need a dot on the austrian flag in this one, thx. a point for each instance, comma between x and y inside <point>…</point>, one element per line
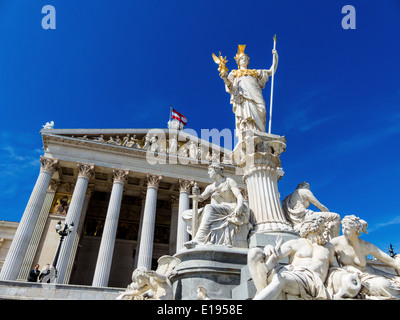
<point>176,115</point>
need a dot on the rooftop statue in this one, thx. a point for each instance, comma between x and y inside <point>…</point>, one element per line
<point>49,125</point>
<point>245,87</point>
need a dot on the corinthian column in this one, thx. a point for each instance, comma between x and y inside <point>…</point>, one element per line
<point>148,223</point>
<point>104,259</point>
<point>23,235</point>
<point>85,171</point>
<point>184,202</point>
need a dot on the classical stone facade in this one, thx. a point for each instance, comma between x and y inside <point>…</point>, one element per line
<point>123,189</point>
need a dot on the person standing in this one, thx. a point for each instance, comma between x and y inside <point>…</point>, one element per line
<point>45,272</point>
<point>34,274</point>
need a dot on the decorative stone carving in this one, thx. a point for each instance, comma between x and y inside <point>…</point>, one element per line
<point>53,186</point>
<point>351,253</point>
<point>85,170</point>
<point>200,153</point>
<point>173,145</point>
<point>49,165</point>
<point>49,125</point>
<point>153,180</point>
<point>185,185</point>
<point>310,258</point>
<point>202,293</point>
<point>99,139</point>
<point>131,142</point>
<point>308,277</point>
<point>223,222</point>
<point>152,285</point>
<point>120,175</point>
<point>193,150</point>
<point>66,187</point>
<point>296,209</point>
<point>146,143</point>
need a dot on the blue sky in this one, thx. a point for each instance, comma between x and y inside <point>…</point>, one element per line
<point>121,64</point>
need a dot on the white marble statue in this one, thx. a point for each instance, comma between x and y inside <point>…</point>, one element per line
<point>202,293</point>
<point>193,150</point>
<point>132,143</point>
<point>310,257</point>
<point>152,285</point>
<point>225,221</point>
<point>245,87</point>
<point>146,142</point>
<point>99,139</point>
<point>49,125</point>
<point>154,144</point>
<point>351,253</point>
<point>173,145</point>
<point>296,209</point>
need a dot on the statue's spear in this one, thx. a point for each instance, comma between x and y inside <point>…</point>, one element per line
<point>272,87</point>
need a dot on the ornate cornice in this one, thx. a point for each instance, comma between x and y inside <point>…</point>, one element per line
<point>185,185</point>
<point>120,175</point>
<point>85,170</point>
<point>96,145</point>
<point>153,180</point>
<point>49,165</point>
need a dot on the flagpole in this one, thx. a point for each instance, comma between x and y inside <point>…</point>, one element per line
<point>272,87</point>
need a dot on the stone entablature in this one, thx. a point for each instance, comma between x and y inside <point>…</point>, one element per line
<point>169,142</point>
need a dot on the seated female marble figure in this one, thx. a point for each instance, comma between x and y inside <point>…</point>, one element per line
<point>351,253</point>
<point>225,221</point>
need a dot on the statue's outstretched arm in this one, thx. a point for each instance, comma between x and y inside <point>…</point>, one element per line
<point>315,202</point>
<point>383,257</point>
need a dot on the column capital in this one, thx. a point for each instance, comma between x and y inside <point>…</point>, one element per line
<point>85,170</point>
<point>173,201</point>
<point>49,165</point>
<point>184,185</point>
<point>153,180</point>
<point>120,175</point>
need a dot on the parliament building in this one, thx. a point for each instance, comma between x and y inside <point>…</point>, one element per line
<point>123,190</point>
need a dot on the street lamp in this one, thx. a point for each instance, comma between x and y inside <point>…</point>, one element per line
<point>63,232</point>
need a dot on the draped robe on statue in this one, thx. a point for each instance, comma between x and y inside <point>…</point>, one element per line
<point>247,100</point>
<point>216,221</point>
